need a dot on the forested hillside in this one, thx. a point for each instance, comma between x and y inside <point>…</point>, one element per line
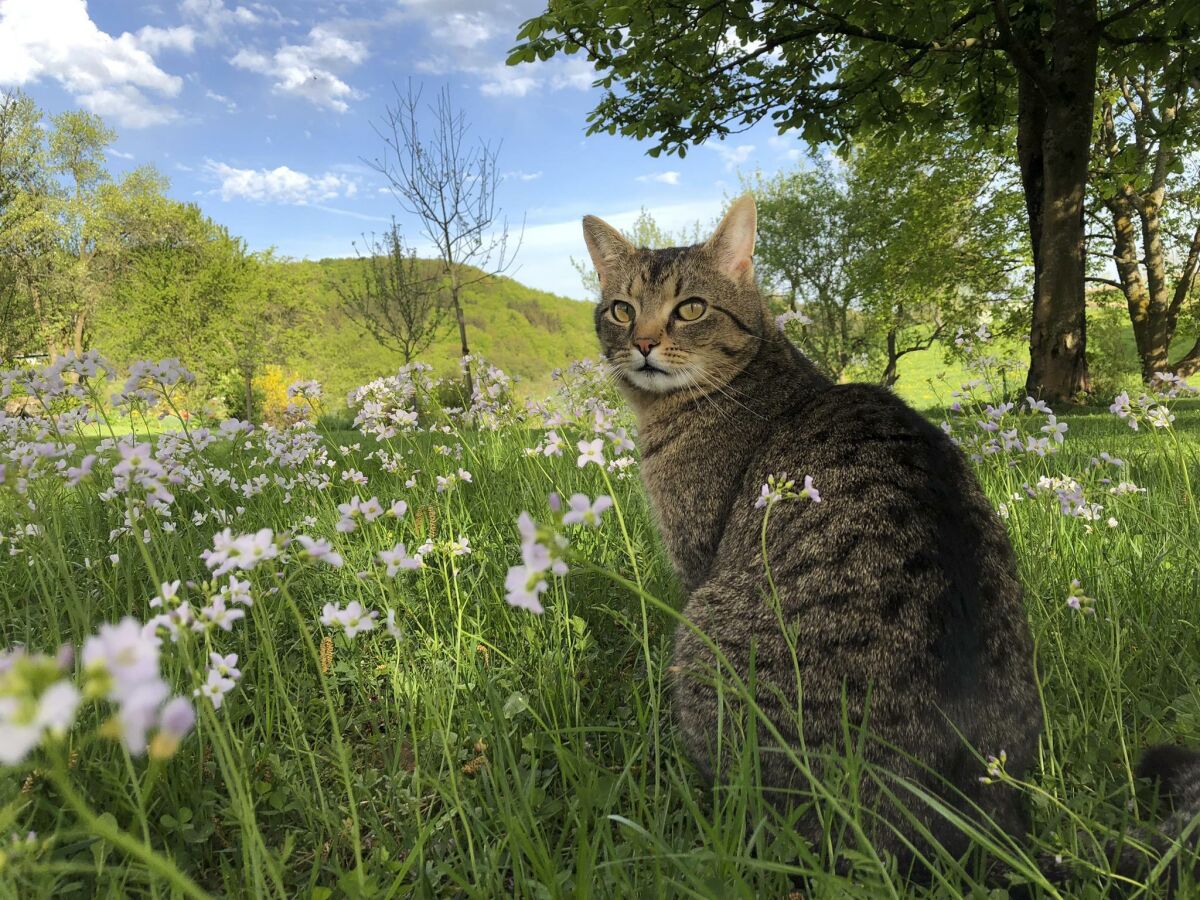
<point>526,332</point>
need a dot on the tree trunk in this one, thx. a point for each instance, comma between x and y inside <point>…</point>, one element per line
<point>77,332</point>
<point>1158,338</point>
<point>1031,126</point>
<point>1133,286</point>
<point>248,383</point>
<point>462,330</point>
<point>43,326</point>
<point>1060,107</point>
<point>890,374</point>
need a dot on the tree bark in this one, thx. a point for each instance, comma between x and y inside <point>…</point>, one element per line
<point>44,330</point>
<point>1054,135</point>
<point>1158,338</point>
<point>78,330</point>
<point>1153,305</point>
<point>248,383</point>
<point>890,374</point>
<point>462,330</point>
<point>1129,273</point>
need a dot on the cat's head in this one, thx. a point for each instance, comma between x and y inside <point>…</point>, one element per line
<point>683,318</point>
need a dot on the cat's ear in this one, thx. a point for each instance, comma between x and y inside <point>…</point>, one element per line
<point>606,245</point>
<point>732,244</point>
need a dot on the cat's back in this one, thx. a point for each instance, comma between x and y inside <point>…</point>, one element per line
<point>899,581</point>
<point>903,539</point>
<point>877,458</point>
<point>860,426</point>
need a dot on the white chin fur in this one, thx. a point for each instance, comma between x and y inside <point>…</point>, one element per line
<point>658,382</point>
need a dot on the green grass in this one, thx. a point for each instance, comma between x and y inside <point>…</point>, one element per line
<point>491,752</point>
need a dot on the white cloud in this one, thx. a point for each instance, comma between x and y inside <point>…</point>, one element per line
<point>57,39</point>
<point>153,39</point>
<point>349,212</point>
<point>505,81</point>
<point>523,176</point>
<point>464,29</point>
<point>502,80</point>
<point>732,156</point>
<point>573,72</point>
<point>278,185</point>
<point>788,148</point>
<point>119,154</point>
<point>660,178</point>
<point>222,99</point>
<point>456,25</point>
<point>469,23</point>
<point>215,16</point>
<point>309,70</point>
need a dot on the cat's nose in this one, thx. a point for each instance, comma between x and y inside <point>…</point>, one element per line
<point>645,345</point>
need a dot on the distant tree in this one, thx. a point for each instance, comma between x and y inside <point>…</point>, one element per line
<point>450,185</point>
<point>1149,194</point>
<point>685,71</point>
<point>66,228</point>
<point>272,319</point>
<point>26,227</point>
<point>803,254</point>
<point>175,294</point>
<point>939,243</point>
<point>78,142</point>
<point>891,248</point>
<point>199,294</point>
<point>396,298</point>
<point>644,232</point>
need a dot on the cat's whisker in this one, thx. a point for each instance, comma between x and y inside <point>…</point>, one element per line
<point>727,391</point>
<point>704,394</point>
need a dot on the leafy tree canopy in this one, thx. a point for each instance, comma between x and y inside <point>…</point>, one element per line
<point>683,72</point>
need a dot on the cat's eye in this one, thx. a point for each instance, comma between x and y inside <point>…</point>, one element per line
<point>690,310</point>
<point>622,311</point>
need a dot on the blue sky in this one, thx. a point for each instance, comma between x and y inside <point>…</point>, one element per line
<point>262,113</point>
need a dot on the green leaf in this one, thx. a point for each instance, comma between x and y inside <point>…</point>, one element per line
<point>515,705</point>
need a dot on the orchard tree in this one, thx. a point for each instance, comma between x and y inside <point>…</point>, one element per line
<point>395,298</point>
<point>684,71</point>
<point>804,253</point>
<point>449,183</point>
<point>937,232</point>
<point>886,250</point>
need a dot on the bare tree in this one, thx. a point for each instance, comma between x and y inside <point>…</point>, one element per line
<point>395,297</point>
<point>449,183</point>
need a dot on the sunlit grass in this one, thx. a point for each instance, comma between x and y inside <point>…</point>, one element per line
<point>491,752</point>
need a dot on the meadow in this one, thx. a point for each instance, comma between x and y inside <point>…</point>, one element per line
<point>422,655</point>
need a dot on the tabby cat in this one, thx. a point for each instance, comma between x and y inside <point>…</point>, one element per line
<point>898,588</point>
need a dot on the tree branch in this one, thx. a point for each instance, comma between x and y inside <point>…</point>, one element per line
<point>1187,277</point>
<point>1020,54</point>
<point>1127,11</point>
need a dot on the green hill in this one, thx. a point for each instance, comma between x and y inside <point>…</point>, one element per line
<point>526,332</point>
